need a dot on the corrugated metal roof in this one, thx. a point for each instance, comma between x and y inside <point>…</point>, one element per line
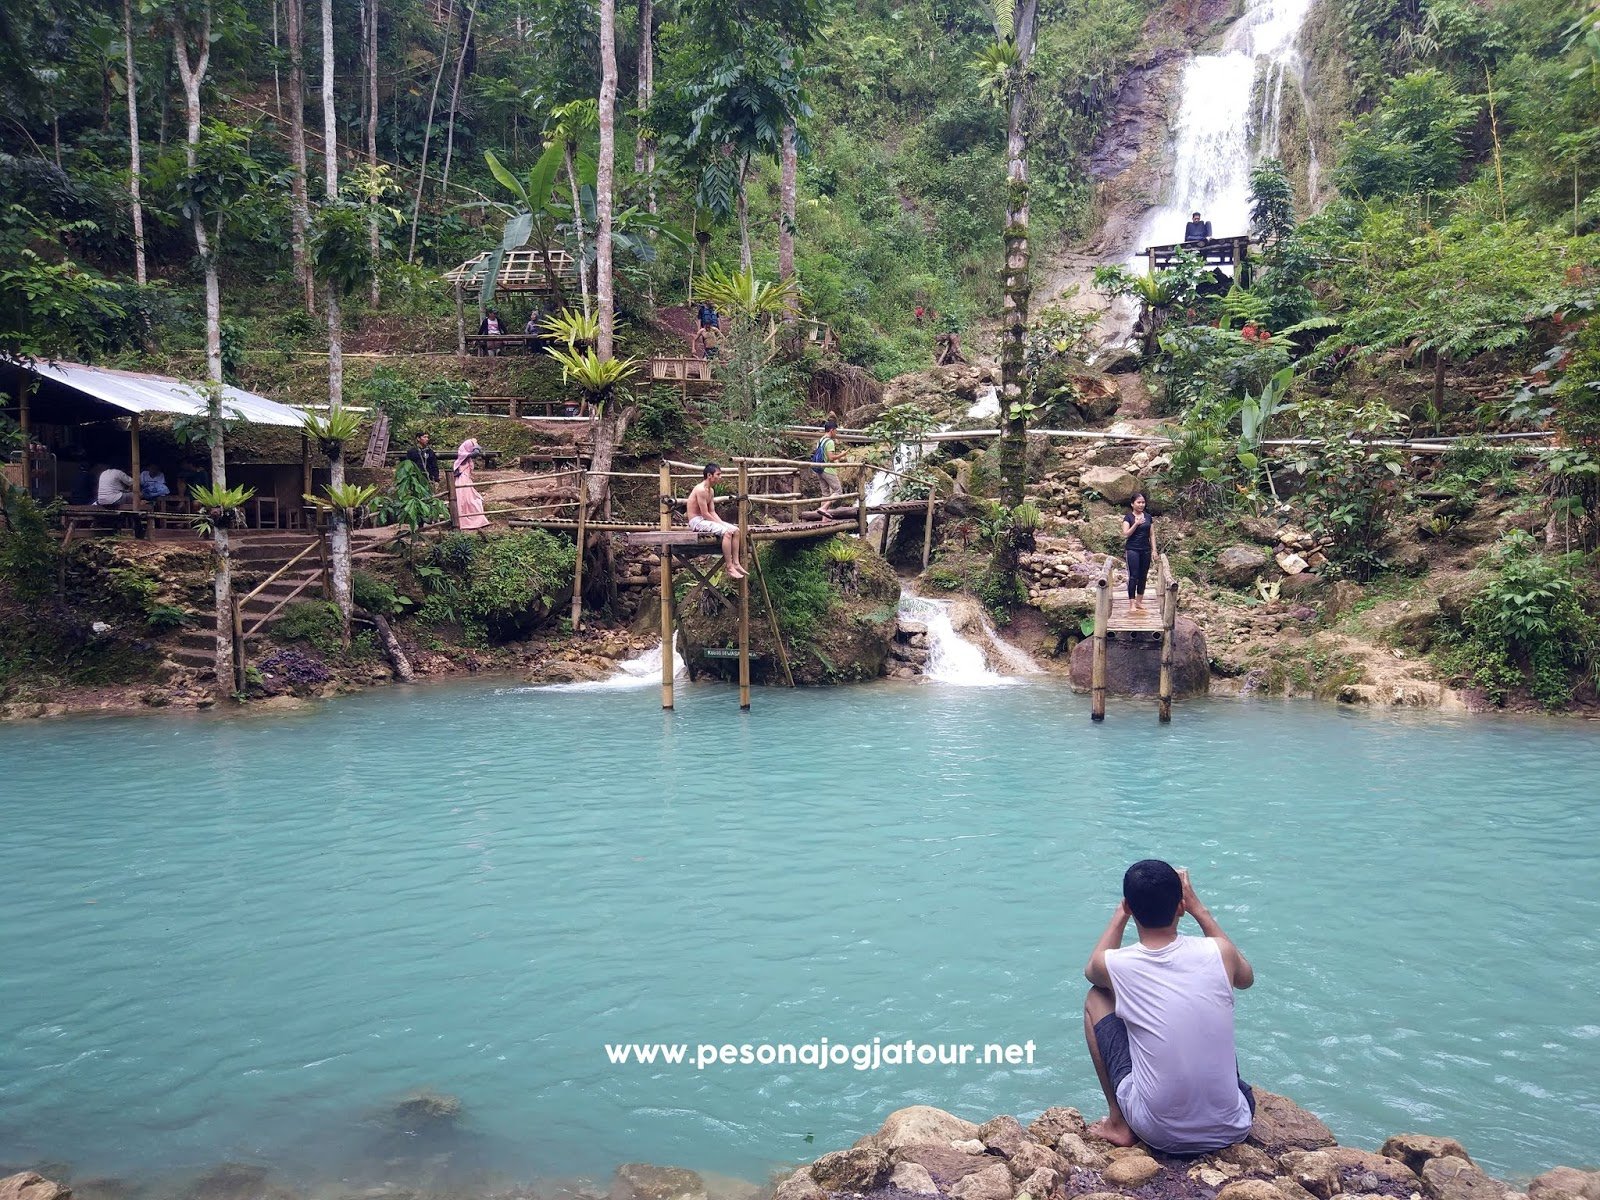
<point>137,392</point>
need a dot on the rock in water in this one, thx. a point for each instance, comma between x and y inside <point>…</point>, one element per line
<point>1281,1125</point>
<point>920,1124</point>
<point>1133,668</point>
<point>30,1185</point>
<point>1570,1180</point>
<point>1415,1149</point>
<point>644,1181</point>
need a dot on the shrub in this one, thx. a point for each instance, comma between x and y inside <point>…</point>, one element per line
<point>29,553</point>
<point>497,588</point>
<point>1528,626</point>
<point>801,583</point>
<point>376,595</point>
<point>315,622</point>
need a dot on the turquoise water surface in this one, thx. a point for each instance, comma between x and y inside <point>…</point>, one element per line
<point>245,938</point>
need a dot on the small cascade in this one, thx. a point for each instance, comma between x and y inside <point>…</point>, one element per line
<point>880,490</point>
<point>1221,131</point>
<point>988,404</point>
<point>952,659</point>
<point>640,671</point>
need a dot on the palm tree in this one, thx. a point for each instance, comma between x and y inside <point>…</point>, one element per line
<point>1004,71</point>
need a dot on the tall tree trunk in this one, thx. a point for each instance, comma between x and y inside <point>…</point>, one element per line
<point>427,136</point>
<point>193,75</point>
<point>577,224</point>
<point>742,204</point>
<point>372,134</point>
<point>604,171</point>
<point>1014,310</point>
<point>338,525</point>
<point>299,192</point>
<point>133,143</point>
<point>455,98</point>
<point>787,204</point>
<point>644,148</point>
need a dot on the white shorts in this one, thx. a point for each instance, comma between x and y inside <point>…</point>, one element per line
<point>706,525</point>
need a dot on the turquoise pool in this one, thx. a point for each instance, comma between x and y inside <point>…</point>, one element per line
<point>245,938</point>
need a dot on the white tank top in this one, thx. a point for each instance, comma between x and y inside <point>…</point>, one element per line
<point>1182,1095</point>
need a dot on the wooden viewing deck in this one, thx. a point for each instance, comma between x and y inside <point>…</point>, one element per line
<point>1214,252</point>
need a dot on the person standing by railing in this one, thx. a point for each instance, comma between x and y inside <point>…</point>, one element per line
<point>469,501</point>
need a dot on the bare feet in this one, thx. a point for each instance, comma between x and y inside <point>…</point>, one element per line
<point>737,572</point>
<point>1114,1130</point>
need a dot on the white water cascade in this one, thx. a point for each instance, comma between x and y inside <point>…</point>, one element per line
<point>640,671</point>
<point>1222,129</point>
<point>955,660</point>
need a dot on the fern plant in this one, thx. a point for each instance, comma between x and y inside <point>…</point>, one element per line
<point>598,378</point>
<point>219,506</point>
<point>741,294</point>
<point>574,330</point>
<point>333,429</point>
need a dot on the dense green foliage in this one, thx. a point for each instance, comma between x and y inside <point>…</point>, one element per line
<point>498,588</point>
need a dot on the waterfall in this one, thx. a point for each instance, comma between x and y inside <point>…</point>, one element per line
<point>640,671</point>
<point>1220,132</point>
<point>953,659</point>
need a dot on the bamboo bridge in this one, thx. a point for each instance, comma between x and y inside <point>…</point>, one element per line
<point>1114,614</point>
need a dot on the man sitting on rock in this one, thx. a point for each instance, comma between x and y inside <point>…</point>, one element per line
<point>1159,1021</point>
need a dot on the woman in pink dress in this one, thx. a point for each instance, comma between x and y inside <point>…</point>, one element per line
<point>469,501</point>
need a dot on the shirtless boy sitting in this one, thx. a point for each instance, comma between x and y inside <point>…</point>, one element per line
<point>703,519</point>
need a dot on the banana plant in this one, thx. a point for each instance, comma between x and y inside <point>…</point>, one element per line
<point>534,220</point>
<point>1254,413</point>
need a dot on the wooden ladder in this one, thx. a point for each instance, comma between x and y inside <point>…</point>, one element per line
<point>378,443</point>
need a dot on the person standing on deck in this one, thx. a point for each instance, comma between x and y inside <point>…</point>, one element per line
<point>703,519</point>
<point>469,500</point>
<point>1139,547</point>
<point>1197,230</point>
<point>827,452</point>
<point>1159,1021</point>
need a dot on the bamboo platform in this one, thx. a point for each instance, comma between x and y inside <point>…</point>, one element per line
<point>1124,618</point>
<point>687,541</point>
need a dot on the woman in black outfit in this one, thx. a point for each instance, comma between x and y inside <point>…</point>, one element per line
<point>1139,547</point>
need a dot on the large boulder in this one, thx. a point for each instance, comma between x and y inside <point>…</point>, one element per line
<point>919,1124</point>
<point>1365,1172</point>
<point>1131,1171</point>
<point>992,1183</point>
<point>1238,566</point>
<point>858,1169</point>
<point>1133,665</point>
<point>1281,1125</point>
<point>1048,1127</point>
<point>799,1186</point>
<point>1415,1149</point>
<point>1567,1180</point>
<point>1452,1178</point>
<point>1113,483</point>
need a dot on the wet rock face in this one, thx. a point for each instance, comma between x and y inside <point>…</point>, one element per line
<point>642,1181</point>
<point>30,1185</point>
<point>858,1170</point>
<point>1133,667</point>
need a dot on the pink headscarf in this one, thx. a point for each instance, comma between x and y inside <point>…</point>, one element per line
<point>466,450</point>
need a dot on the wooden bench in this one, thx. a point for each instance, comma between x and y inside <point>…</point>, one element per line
<point>682,370</point>
<point>528,343</point>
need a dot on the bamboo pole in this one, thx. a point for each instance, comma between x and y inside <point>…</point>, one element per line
<point>744,591</point>
<point>1097,673</point>
<point>861,500</point>
<point>450,496</point>
<point>238,645</point>
<point>133,455</point>
<point>461,324</point>
<point>772,618</point>
<point>666,589</point>
<point>1169,617</point>
<point>577,570</point>
<point>927,530</point>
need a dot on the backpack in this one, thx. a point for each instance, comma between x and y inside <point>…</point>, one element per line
<point>820,454</point>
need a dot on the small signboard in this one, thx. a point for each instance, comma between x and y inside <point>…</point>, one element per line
<point>721,652</point>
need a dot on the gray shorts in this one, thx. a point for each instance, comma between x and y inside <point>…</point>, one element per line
<point>831,486</point>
